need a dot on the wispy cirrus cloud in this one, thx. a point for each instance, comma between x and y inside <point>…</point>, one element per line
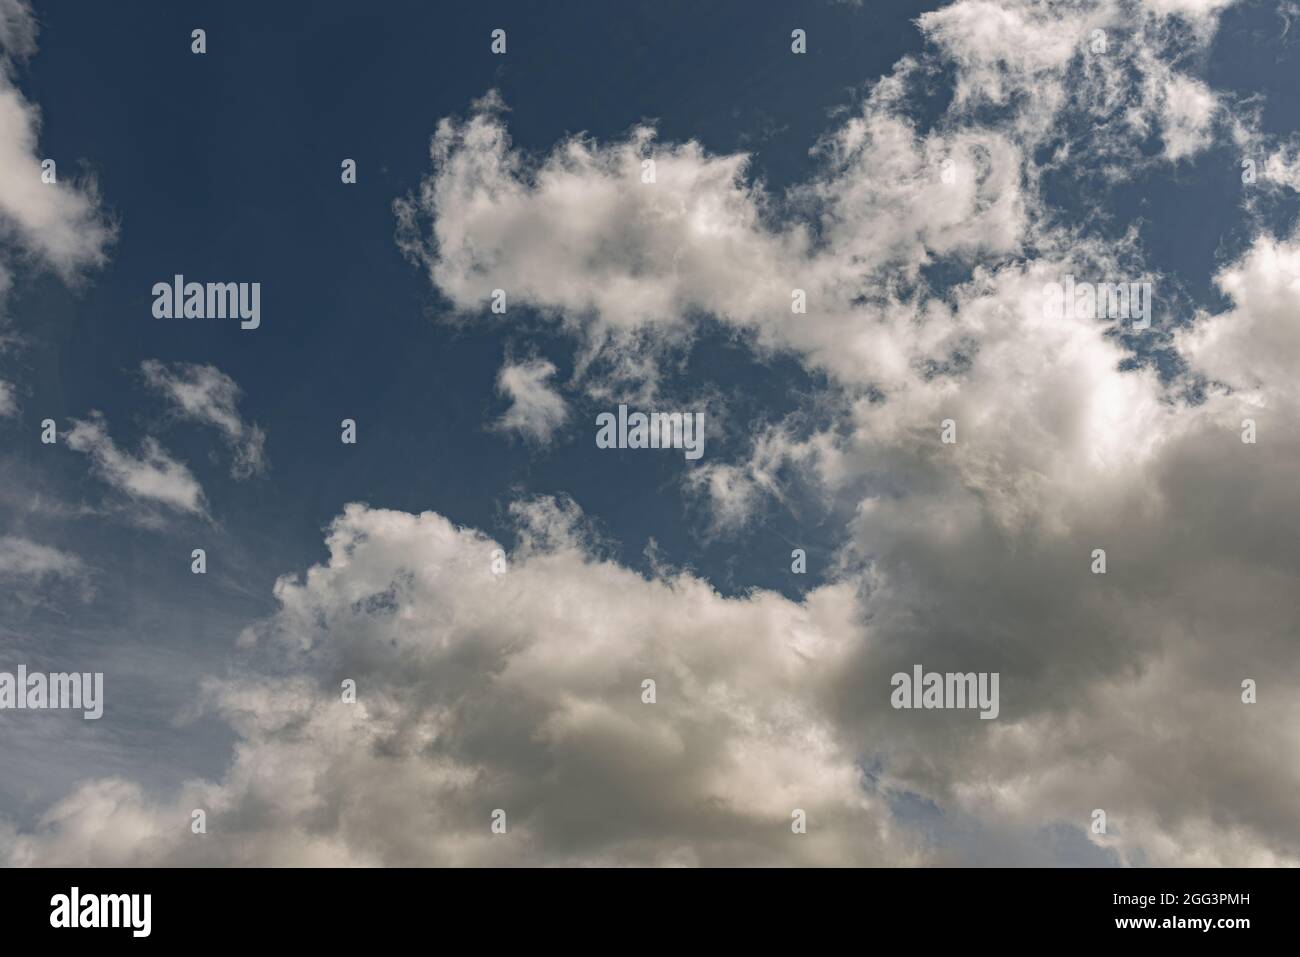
<point>23,558</point>
<point>152,476</point>
<point>8,400</point>
<point>205,394</point>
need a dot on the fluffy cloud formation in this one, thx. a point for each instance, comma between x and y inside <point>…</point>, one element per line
<point>53,225</point>
<point>1281,167</point>
<point>973,556</point>
<point>1202,13</point>
<point>580,235</point>
<point>1120,691</point>
<point>203,393</point>
<point>57,223</point>
<point>626,243</point>
<point>1108,62</point>
<point>1254,348</point>
<point>979,554</point>
<point>493,220</point>
<point>151,476</point>
<point>521,691</point>
<point>536,408</point>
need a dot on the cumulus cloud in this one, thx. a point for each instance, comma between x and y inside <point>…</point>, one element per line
<point>58,226</point>
<point>492,218</point>
<point>1281,166</point>
<point>1203,13</point>
<point>521,691</point>
<point>60,223</point>
<point>1185,107</point>
<point>579,235</point>
<point>977,555</point>
<point>1254,348</point>
<point>979,552</point>
<point>974,555</point>
<point>536,408</point>
<point>625,261</point>
<point>153,475</point>
<point>202,393</point>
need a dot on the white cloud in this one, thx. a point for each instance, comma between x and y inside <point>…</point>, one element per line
<point>58,223</point>
<point>1255,346</point>
<point>53,225</point>
<point>625,265</point>
<point>1281,166</point>
<point>17,29</point>
<point>1055,64</point>
<point>645,252</point>
<point>1196,11</point>
<point>978,553</point>
<point>521,691</point>
<point>736,493</point>
<point>1003,48</point>
<point>580,236</point>
<point>153,475</point>
<point>21,557</point>
<point>1186,109</point>
<point>536,408</point>
<point>8,400</point>
<point>202,393</point>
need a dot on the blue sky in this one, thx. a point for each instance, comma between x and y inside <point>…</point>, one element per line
<point>226,167</point>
